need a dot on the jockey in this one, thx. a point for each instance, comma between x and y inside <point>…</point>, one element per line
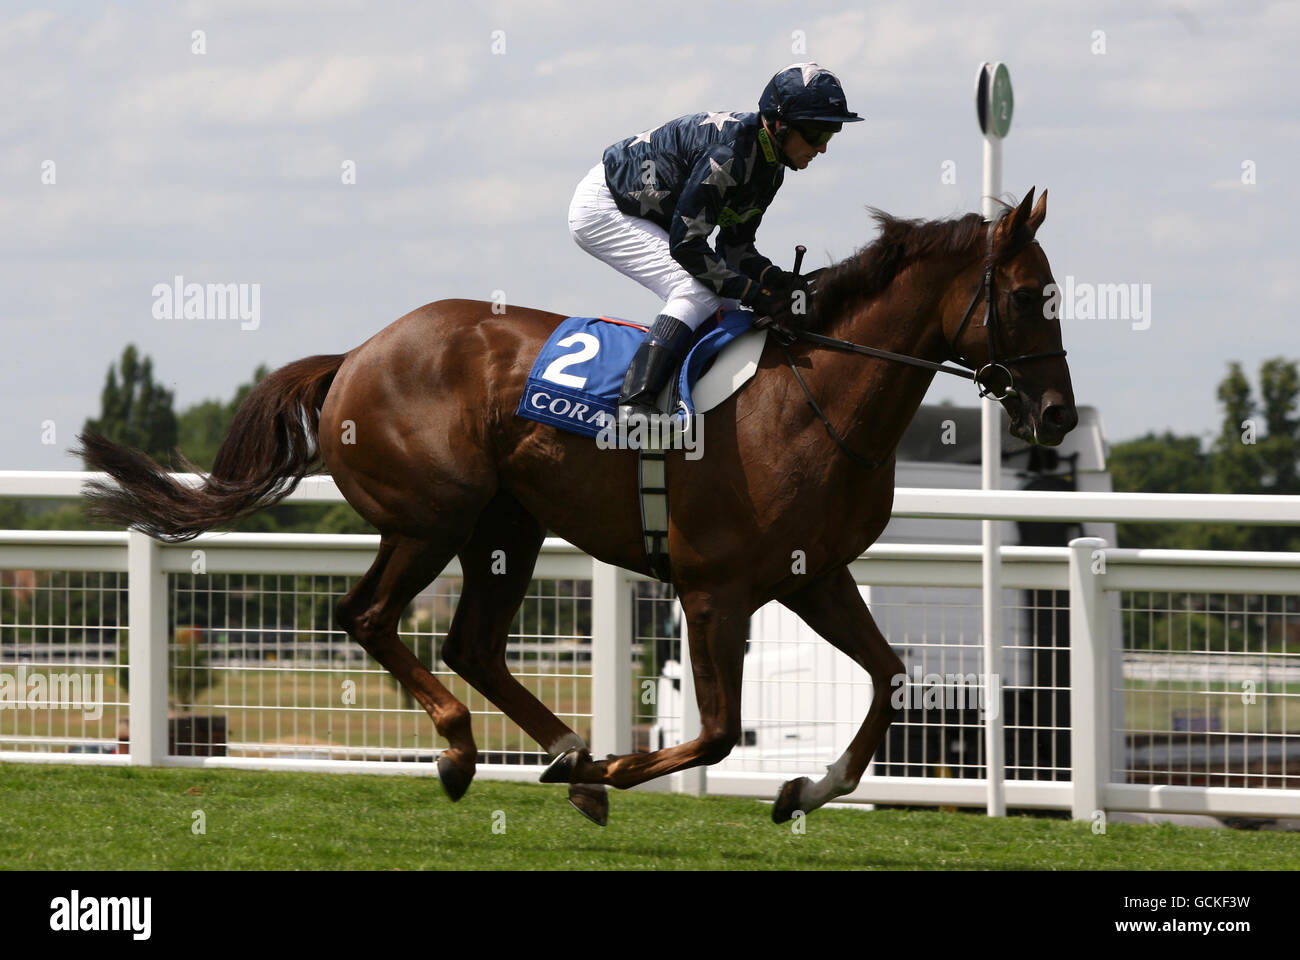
<point>648,208</point>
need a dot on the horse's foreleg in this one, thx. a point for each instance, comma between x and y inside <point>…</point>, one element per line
<point>370,613</point>
<point>834,608</point>
<point>497,565</point>
<point>716,630</point>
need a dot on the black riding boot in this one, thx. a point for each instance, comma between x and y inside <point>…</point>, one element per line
<point>654,363</point>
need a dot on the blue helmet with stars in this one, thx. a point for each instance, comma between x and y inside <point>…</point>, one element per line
<point>805,92</point>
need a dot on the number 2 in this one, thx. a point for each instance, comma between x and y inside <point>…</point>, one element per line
<point>590,346</point>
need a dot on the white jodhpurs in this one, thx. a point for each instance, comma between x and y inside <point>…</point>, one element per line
<point>638,248</point>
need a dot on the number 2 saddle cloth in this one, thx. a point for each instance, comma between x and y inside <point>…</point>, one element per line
<point>575,381</point>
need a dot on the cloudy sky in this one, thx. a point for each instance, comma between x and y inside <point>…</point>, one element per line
<point>468,127</point>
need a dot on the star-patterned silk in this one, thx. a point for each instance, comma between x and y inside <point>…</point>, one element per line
<point>691,176</point>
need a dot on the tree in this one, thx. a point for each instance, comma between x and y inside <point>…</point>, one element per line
<point>1164,463</point>
<point>1256,451</point>
<point>136,411</point>
<point>1279,452</point>
<point>1236,457</point>
<point>205,424</point>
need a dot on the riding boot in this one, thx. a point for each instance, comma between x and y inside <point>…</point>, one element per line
<point>653,364</point>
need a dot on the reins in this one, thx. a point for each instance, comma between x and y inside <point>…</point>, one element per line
<point>975,373</point>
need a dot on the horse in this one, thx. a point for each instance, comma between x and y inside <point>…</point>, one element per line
<point>417,426</point>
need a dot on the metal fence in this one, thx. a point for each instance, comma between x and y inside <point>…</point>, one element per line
<point>1133,680</point>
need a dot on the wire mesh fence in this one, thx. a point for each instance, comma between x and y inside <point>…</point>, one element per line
<point>63,686</point>
<point>804,701</point>
<point>1211,691</point>
<point>263,657</point>
<point>1204,690</point>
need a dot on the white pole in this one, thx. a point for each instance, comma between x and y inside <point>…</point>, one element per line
<point>147,643</point>
<point>1090,682</point>
<point>991,474</point>
<point>611,660</point>
<point>992,175</point>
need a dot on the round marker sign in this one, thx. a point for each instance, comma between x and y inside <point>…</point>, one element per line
<point>993,99</point>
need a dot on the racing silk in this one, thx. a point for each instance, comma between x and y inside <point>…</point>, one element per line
<point>692,175</point>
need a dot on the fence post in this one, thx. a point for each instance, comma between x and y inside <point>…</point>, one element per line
<point>994,703</point>
<point>1090,717</point>
<point>147,643</point>
<point>611,660</point>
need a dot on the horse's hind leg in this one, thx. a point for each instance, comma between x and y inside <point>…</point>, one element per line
<point>834,608</point>
<point>497,565</point>
<point>370,613</point>
<point>717,620</point>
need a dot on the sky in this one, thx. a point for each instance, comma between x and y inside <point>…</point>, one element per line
<point>137,150</point>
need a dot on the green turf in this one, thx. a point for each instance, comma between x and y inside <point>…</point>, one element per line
<point>64,817</point>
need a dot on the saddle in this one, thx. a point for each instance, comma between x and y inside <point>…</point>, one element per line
<point>575,381</point>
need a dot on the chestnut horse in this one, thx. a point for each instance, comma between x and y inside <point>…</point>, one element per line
<point>417,426</point>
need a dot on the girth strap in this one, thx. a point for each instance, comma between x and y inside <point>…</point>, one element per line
<point>653,484</point>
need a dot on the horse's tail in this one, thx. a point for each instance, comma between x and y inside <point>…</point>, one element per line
<point>271,446</point>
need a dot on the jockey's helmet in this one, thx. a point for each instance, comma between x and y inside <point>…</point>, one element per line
<point>806,97</point>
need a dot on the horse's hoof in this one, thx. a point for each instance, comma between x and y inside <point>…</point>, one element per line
<point>591,800</point>
<point>787,801</point>
<point>562,767</point>
<point>455,780</point>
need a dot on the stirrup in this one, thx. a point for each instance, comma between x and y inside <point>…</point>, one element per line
<point>635,422</point>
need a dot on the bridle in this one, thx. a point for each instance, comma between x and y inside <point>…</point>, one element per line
<point>994,331</point>
<point>982,376</point>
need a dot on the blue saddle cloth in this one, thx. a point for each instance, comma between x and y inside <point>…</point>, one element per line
<point>576,379</point>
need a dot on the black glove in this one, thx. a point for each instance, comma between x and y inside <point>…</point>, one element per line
<point>772,312</point>
<point>767,303</point>
<point>782,281</point>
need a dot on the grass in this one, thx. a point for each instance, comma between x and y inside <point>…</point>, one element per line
<point>63,817</point>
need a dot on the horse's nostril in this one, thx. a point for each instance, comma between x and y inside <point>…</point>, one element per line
<point>1057,415</point>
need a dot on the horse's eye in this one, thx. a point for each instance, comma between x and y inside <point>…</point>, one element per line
<point>1024,297</point>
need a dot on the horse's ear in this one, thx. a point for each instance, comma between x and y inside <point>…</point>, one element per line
<point>1026,204</point>
<point>1038,216</point>
<point>1012,231</point>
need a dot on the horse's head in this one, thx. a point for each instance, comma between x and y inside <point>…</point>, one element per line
<point>1018,353</point>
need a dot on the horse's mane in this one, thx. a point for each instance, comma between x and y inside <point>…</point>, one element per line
<point>873,267</point>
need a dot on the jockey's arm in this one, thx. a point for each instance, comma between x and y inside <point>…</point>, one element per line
<point>736,245</point>
<point>698,210</point>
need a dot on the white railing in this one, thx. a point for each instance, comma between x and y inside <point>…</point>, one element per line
<point>1092,573</point>
<point>908,501</point>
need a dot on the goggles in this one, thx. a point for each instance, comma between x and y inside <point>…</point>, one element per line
<point>816,135</point>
